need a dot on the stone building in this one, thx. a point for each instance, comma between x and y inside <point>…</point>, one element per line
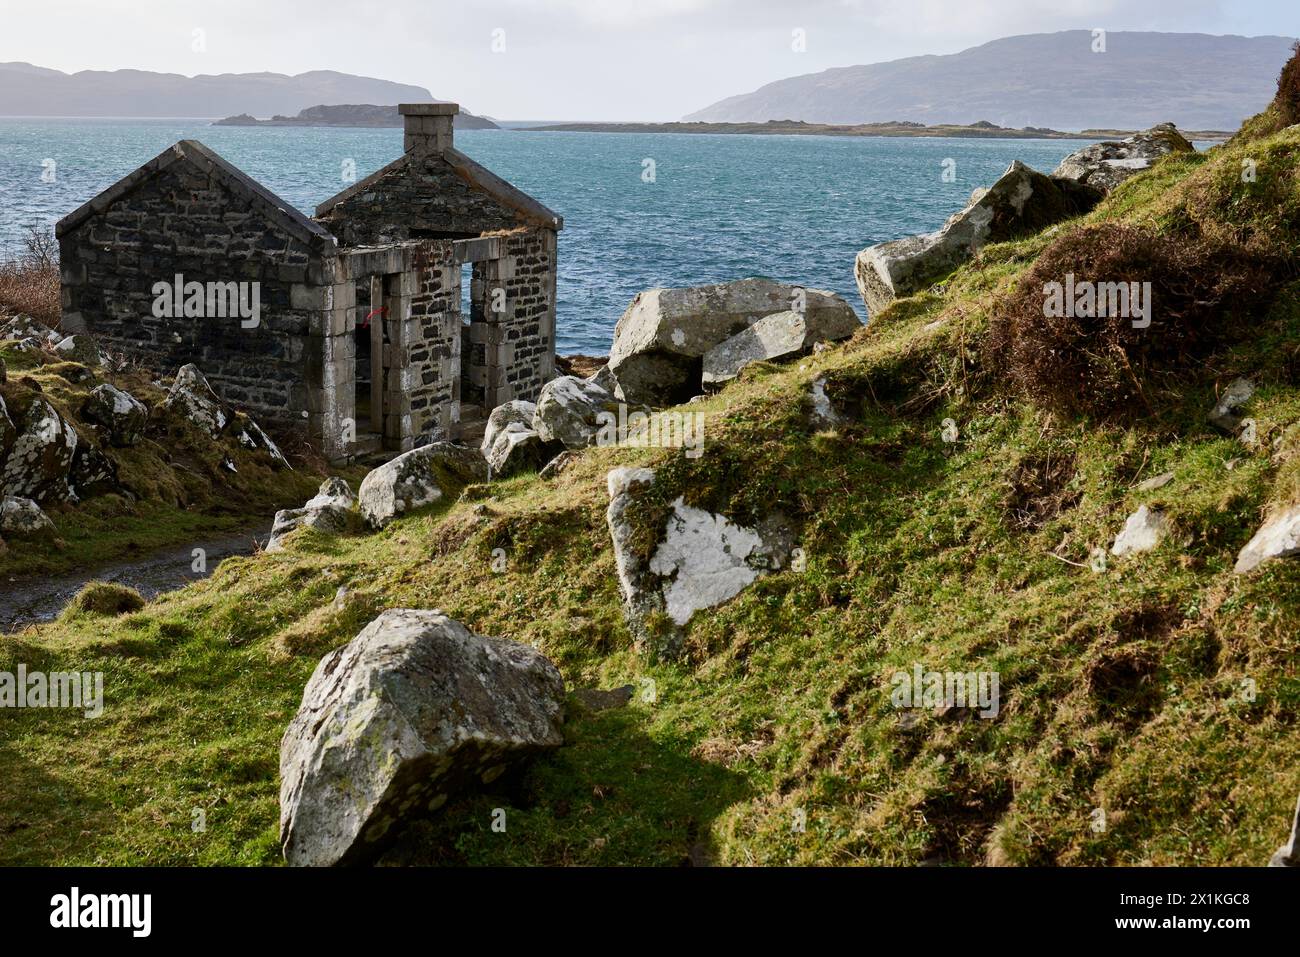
<point>416,300</point>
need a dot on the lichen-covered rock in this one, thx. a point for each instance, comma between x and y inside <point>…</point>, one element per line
<point>700,561</point>
<point>25,327</point>
<point>1103,166</point>
<point>778,336</point>
<point>23,518</point>
<point>511,444</point>
<point>1279,537</point>
<point>92,472</point>
<point>1142,532</point>
<point>569,411</point>
<point>1022,201</point>
<point>412,711</point>
<point>417,478</point>
<point>660,341</point>
<point>330,510</point>
<point>192,398</point>
<point>40,457</point>
<point>81,348</point>
<point>122,416</point>
<point>250,435</point>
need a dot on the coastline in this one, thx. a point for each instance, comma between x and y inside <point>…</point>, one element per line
<point>798,127</point>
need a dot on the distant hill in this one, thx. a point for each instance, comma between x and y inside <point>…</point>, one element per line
<point>1195,80</point>
<point>352,115</point>
<point>27,90</point>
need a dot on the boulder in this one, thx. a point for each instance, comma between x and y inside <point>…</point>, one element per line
<point>25,327</point>
<point>1022,201</point>
<point>413,711</point>
<point>192,398</point>
<point>1233,398</point>
<point>570,410</point>
<point>81,348</point>
<point>1142,532</point>
<point>778,336</point>
<point>23,518</point>
<point>40,457</point>
<point>417,478</point>
<point>511,444</point>
<point>701,560</point>
<point>330,510</point>
<point>250,436</point>
<point>4,372</point>
<point>1279,537</point>
<point>1103,166</point>
<point>660,341</point>
<point>122,416</point>
<point>92,472</point>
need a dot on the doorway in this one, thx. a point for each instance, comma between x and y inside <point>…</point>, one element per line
<point>371,331</point>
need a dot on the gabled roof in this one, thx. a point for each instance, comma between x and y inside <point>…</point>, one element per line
<point>195,153</point>
<point>473,173</point>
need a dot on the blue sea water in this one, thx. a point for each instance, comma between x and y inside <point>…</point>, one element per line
<point>794,208</point>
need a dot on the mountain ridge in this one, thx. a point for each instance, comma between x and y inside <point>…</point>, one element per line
<point>30,90</point>
<point>1196,80</point>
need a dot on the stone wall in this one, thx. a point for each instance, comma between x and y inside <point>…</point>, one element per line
<point>514,350</point>
<point>188,221</point>
<point>417,197</point>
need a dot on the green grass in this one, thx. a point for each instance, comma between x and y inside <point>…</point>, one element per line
<point>1125,690</point>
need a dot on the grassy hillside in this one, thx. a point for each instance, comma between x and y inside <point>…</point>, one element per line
<point>1123,687</point>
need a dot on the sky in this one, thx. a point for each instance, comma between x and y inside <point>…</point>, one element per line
<point>571,59</point>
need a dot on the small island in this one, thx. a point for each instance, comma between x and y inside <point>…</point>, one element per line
<point>364,115</point>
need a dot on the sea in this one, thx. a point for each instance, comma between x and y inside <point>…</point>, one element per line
<point>640,210</point>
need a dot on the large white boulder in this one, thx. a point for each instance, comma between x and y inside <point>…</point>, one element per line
<point>417,478</point>
<point>699,561</point>
<point>1022,201</point>
<point>414,710</point>
<point>660,341</point>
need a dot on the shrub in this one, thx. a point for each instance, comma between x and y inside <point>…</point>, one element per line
<point>1201,295</point>
<point>29,284</point>
<point>104,598</point>
<point>1288,90</point>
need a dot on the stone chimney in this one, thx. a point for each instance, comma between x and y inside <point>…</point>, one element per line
<point>428,126</point>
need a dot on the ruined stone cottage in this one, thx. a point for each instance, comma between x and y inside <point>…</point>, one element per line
<point>416,300</point>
